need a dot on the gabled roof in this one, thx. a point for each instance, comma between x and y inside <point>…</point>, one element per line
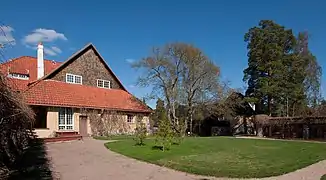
<point>57,93</point>
<point>78,54</point>
<point>47,92</point>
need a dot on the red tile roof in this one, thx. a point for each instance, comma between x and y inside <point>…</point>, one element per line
<point>57,93</point>
<point>18,84</point>
<point>26,65</point>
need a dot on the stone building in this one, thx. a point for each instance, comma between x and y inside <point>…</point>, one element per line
<point>80,96</point>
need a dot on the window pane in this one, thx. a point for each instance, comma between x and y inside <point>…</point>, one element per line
<point>70,78</point>
<point>69,116</point>
<point>99,83</point>
<point>61,116</point>
<point>65,119</point>
<point>106,84</point>
<point>129,118</point>
<point>78,80</point>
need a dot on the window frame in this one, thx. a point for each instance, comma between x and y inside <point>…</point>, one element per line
<point>74,78</point>
<point>65,125</point>
<point>18,76</point>
<point>132,118</point>
<point>103,82</point>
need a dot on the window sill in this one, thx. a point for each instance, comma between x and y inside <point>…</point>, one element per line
<point>66,130</point>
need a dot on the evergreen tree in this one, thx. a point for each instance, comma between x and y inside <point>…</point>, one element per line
<point>283,76</point>
<point>270,46</point>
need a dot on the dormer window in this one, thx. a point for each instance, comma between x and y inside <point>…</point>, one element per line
<point>103,83</point>
<point>75,79</point>
<point>19,76</point>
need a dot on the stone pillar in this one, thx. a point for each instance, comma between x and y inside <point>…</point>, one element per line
<point>305,131</point>
<point>260,130</point>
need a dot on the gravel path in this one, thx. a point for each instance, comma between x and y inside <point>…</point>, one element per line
<point>90,160</point>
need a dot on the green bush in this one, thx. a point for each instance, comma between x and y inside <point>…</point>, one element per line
<point>140,133</point>
<point>164,135</point>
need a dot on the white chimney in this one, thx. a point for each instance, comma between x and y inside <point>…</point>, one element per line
<point>40,61</point>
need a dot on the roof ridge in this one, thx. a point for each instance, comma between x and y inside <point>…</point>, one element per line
<point>21,57</point>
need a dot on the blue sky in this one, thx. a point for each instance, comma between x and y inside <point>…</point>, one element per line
<point>125,30</point>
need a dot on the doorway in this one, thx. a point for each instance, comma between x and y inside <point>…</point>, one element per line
<point>83,126</point>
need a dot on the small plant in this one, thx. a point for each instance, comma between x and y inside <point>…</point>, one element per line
<point>179,136</point>
<point>164,135</point>
<point>140,133</point>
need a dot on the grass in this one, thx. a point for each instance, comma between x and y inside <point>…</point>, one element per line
<point>323,177</point>
<point>114,137</point>
<point>228,157</point>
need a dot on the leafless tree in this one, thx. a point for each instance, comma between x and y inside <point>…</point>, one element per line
<point>182,75</point>
<point>200,77</point>
<point>163,72</point>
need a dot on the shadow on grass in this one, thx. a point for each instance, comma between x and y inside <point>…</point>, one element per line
<point>34,164</point>
<point>157,148</point>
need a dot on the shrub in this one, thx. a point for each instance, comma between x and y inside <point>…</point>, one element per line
<point>140,133</point>
<point>179,136</point>
<point>16,120</point>
<point>164,134</point>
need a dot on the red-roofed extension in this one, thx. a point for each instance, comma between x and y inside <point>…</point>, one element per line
<point>62,93</point>
<point>25,65</point>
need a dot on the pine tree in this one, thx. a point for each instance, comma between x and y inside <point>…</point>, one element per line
<point>270,46</point>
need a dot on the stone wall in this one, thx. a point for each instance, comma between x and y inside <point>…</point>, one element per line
<point>105,123</point>
<point>90,67</point>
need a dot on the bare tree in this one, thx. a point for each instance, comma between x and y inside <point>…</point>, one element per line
<point>200,77</point>
<point>182,75</point>
<point>162,71</point>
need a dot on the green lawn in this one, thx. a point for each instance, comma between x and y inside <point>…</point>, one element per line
<point>114,137</point>
<point>228,157</point>
<point>323,177</point>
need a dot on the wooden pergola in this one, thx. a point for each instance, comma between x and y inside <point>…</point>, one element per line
<point>310,127</point>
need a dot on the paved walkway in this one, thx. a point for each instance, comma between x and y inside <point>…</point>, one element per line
<point>90,160</point>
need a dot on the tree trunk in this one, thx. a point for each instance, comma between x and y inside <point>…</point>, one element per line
<point>269,105</point>
<point>245,127</point>
<point>191,119</point>
<point>260,130</point>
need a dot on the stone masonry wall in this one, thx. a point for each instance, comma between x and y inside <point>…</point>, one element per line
<point>89,66</point>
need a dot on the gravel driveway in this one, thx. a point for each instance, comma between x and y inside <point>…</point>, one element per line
<point>90,160</point>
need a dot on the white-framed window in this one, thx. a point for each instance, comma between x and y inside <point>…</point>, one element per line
<point>75,79</point>
<point>103,83</point>
<point>18,76</point>
<point>130,118</point>
<point>66,119</point>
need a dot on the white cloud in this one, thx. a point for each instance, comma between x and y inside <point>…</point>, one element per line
<point>131,86</point>
<point>53,51</point>
<point>6,36</point>
<point>49,52</point>
<point>130,61</point>
<point>56,49</point>
<point>43,35</point>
